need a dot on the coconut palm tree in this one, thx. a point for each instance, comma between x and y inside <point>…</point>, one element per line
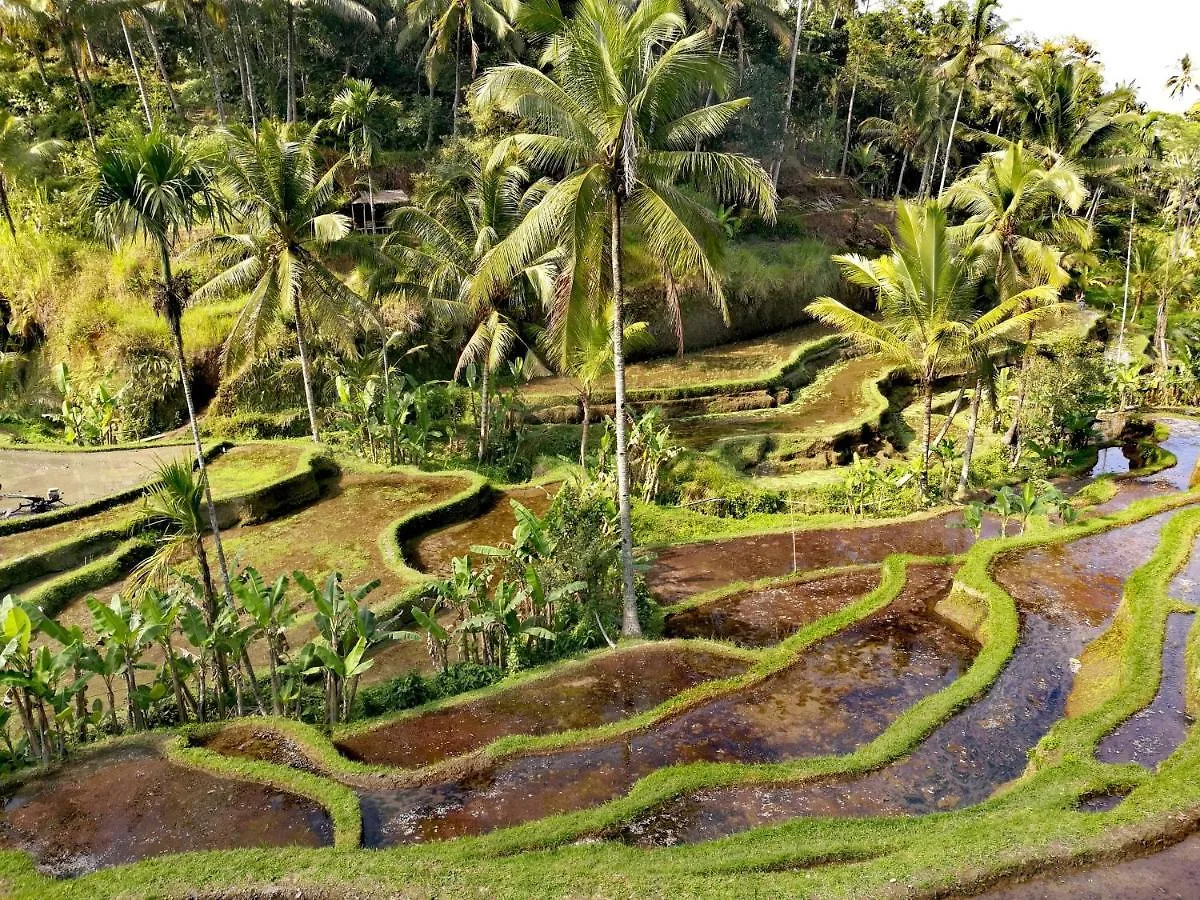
<point>288,225</point>
<point>358,112</point>
<point>158,186</point>
<point>1183,80</point>
<point>980,48</point>
<point>450,28</point>
<point>912,129</point>
<point>616,118</point>
<point>437,248</point>
<point>926,290</point>
<point>20,159</point>
<point>1013,205</point>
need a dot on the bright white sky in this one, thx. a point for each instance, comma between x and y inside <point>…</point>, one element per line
<point>1139,41</point>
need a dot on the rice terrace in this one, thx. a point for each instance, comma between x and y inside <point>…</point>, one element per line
<point>606,448</point>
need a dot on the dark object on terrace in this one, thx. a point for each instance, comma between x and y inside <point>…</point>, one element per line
<point>32,505</point>
<point>385,201</point>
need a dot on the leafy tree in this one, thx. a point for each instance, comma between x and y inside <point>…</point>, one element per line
<point>20,160</point>
<point>157,186</point>
<point>358,112</point>
<point>615,117</point>
<point>449,28</point>
<point>980,47</point>
<point>289,224</point>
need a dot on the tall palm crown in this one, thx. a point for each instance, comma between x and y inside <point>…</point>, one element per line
<point>979,47</point>
<point>618,118</point>
<point>20,158</point>
<point>157,186</point>
<point>450,28</point>
<point>1014,203</point>
<point>1064,116</point>
<point>359,112</point>
<point>288,224</point>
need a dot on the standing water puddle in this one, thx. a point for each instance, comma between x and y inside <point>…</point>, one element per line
<point>1152,734</point>
<point>124,805</point>
<point>1066,594</point>
<point>843,692</point>
<point>435,552</point>
<point>765,616</point>
<point>682,571</point>
<point>606,689</point>
<point>1183,441</point>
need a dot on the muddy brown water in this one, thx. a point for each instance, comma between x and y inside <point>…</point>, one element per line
<point>764,616</point>
<point>1066,594</point>
<point>820,410</point>
<point>260,743</point>
<point>611,687</point>
<point>682,571</point>
<point>1171,874</point>
<point>841,693</point>
<point>128,804</point>
<point>1183,440</point>
<point>435,552</point>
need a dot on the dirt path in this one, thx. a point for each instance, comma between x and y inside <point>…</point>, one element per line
<point>81,476</point>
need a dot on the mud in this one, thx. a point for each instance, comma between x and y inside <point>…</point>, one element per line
<point>435,552</point>
<point>612,687</point>
<point>841,693</point>
<point>682,571</point>
<point>765,616</point>
<point>125,805</point>
<point>1065,594</point>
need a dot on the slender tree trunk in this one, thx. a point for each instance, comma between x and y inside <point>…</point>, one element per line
<point>137,71</point>
<point>176,682</point>
<point>1012,436</point>
<point>1128,272</point>
<point>4,206</point>
<point>41,64</point>
<point>484,412</point>
<point>969,450</point>
<point>371,196</point>
<point>926,429</point>
<point>457,80</point>
<point>429,129</point>
<point>630,626</point>
<point>202,30</point>
<point>291,60</point>
<point>253,679</point>
<point>159,64</point>
<point>787,104</point>
<point>586,400</point>
<point>69,52</point>
<point>250,97</point>
<point>1160,330</point>
<point>849,125</point>
<point>276,708</point>
<point>708,97</point>
<point>950,139</point>
<point>80,704</point>
<point>953,414</point>
<point>134,714</point>
<point>903,170</point>
<point>304,370</point>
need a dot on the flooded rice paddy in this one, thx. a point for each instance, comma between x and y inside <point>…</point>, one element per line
<point>123,805</point>
<point>1065,594</point>
<point>839,694</point>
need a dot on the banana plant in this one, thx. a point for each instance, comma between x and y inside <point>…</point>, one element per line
<point>160,611</point>
<point>17,674</point>
<point>437,636</point>
<point>272,614</point>
<point>120,625</point>
<point>1004,505</point>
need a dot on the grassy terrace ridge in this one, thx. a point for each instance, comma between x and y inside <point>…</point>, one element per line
<point>757,364</point>
<point>248,494</point>
<point>1023,829</point>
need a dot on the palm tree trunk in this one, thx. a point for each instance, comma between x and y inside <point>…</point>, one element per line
<point>371,196</point>
<point>708,98</point>
<point>586,400</point>
<point>1160,330</point>
<point>429,129</point>
<point>630,626</point>
<point>137,71</point>
<point>951,416</point>
<point>69,52</point>
<point>202,29</point>
<point>159,64</point>
<point>484,412</point>
<point>903,170</point>
<point>950,140</point>
<point>849,125</point>
<point>457,80</point>
<point>926,429</point>
<point>787,104</point>
<point>969,449</point>
<point>251,99</point>
<point>304,372</point>
<point>176,682</point>
<point>291,60</point>
<point>1011,436</point>
<point>4,207</point>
